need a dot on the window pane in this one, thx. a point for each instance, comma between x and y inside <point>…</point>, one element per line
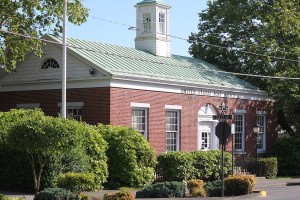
<point>239,131</point>
<point>172,133</point>
<point>139,120</point>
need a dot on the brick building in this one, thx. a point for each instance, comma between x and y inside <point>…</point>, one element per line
<point>170,99</point>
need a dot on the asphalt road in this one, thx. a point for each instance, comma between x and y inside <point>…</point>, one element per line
<point>275,189</point>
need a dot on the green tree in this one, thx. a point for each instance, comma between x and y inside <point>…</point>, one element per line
<point>270,29</point>
<point>40,137</point>
<point>32,18</point>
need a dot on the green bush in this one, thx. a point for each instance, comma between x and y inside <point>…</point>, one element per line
<point>207,164</point>
<point>214,188</point>
<point>131,160</point>
<point>3,197</point>
<point>269,166</point>
<point>175,166</point>
<point>162,190</point>
<point>287,146</point>
<point>239,185</point>
<point>85,155</point>
<point>77,182</point>
<point>203,165</point>
<point>198,192</point>
<point>55,194</point>
<point>119,196</point>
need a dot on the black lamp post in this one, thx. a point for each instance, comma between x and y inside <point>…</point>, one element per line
<point>257,131</point>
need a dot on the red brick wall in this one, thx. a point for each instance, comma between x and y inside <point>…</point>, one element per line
<point>112,105</point>
<point>121,115</point>
<point>96,102</point>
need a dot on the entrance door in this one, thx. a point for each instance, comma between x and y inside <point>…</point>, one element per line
<point>204,136</point>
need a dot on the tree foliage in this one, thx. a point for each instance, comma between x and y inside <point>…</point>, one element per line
<point>32,18</point>
<point>53,146</point>
<point>270,30</point>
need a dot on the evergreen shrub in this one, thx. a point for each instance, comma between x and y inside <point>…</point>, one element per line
<point>239,185</point>
<point>131,159</point>
<point>213,188</point>
<point>56,194</point>
<point>269,166</point>
<point>175,166</point>
<point>162,190</point>
<point>77,182</point>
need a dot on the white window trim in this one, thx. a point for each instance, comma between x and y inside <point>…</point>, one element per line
<point>264,114</point>
<point>140,105</point>
<point>238,111</point>
<point>28,105</point>
<point>173,107</point>
<point>177,109</point>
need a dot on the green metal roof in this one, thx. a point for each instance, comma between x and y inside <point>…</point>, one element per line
<point>130,62</point>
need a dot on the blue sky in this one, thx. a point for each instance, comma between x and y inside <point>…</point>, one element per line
<point>183,18</point>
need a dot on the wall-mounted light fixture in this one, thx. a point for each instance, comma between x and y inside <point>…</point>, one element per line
<point>92,71</point>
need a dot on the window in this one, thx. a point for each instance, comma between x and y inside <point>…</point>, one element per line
<point>162,22</point>
<point>172,130</point>
<point>146,22</point>
<point>239,121</point>
<point>74,110</point>
<point>139,120</point>
<point>261,136</point>
<point>140,117</point>
<point>50,63</point>
<point>74,113</point>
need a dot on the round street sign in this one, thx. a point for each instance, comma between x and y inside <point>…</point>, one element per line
<point>223,131</point>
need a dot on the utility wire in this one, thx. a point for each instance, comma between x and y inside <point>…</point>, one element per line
<point>146,60</point>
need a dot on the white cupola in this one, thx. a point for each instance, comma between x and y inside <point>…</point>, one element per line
<point>153,25</point>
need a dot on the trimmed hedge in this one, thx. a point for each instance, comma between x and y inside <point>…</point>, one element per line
<point>162,190</point>
<point>77,182</point>
<point>269,166</point>
<point>239,185</point>
<point>175,166</point>
<point>131,159</point>
<point>56,194</point>
<point>203,165</point>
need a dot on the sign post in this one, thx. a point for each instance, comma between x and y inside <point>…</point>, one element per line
<point>223,131</point>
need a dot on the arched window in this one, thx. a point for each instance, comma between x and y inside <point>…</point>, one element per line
<point>50,63</point>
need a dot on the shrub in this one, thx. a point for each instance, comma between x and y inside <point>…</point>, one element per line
<point>198,192</point>
<point>195,187</point>
<point>119,196</point>
<point>239,184</point>
<point>194,183</point>
<point>162,190</point>
<point>3,197</point>
<point>207,164</point>
<point>287,146</point>
<point>131,160</point>
<point>77,182</point>
<point>213,188</point>
<point>175,166</point>
<point>269,166</point>
<point>55,194</point>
